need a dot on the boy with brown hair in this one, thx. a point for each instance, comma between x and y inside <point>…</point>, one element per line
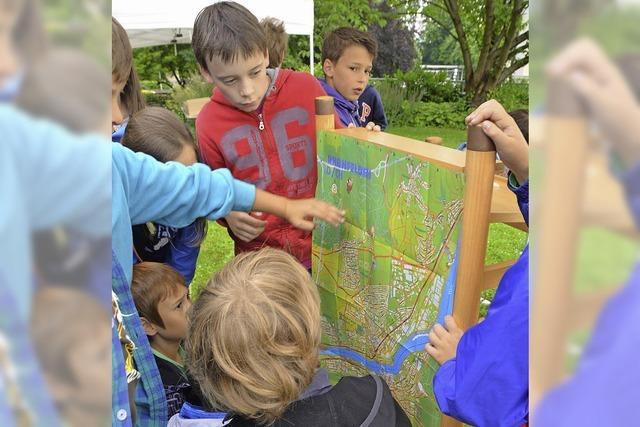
<point>347,59</point>
<point>253,347</point>
<point>259,123</point>
<point>162,300</point>
<point>277,40</point>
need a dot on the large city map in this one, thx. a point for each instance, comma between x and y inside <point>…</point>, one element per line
<point>388,274</point>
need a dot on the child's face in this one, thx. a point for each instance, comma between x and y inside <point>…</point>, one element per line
<point>117,113</point>
<point>350,74</point>
<point>244,82</point>
<point>173,312</point>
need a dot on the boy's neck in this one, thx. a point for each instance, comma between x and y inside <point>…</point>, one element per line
<point>168,348</point>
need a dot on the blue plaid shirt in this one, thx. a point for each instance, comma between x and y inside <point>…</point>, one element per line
<point>151,405</point>
<point>33,398</point>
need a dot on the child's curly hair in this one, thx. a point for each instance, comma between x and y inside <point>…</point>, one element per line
<point>254,335</point>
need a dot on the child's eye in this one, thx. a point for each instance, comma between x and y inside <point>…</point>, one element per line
<point>353,69</point>
<point>229,82</point>
<point>255,73</point>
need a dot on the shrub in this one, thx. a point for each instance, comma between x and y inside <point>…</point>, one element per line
<point>432,86</point>
<point>512,95</point>
<point>395,98</point>
<point>434,114</point>
<point>173,100</point>
<point>197,87</point>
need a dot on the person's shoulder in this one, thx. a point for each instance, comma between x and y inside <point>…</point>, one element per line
<point>121,155</point>
<point>370,92</point>
<point>366,386</point>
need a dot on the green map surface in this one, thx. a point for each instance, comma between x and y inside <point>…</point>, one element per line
<point>387,275</point>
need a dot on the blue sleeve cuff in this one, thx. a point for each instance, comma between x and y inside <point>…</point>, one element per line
<point>444,386</point>
<point>244,196</point>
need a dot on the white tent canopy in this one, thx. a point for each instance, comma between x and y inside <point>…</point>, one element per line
<point>159,22</point>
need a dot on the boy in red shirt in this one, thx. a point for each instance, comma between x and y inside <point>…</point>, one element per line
<point>259,123</point>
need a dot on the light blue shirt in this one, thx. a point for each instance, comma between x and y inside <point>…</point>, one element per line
<point>48,177</point>
<point>168,193</point>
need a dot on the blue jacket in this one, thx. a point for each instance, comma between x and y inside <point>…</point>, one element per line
<point>177,247</point>
<point>370,108</point>
<point>346,110</point>
<point>604,388</point>
<point>487,383</point>
<point>117,135</point>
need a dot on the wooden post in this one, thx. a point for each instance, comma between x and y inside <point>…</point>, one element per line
<point>324,113</point>
<point>557,219</point>
<point>479,171</point>
<point>479,174</point>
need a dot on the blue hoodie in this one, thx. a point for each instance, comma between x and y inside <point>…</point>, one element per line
<point>604,388</point>
<point>347,110</point>
<point>371,108</point>
<point>487,383</point>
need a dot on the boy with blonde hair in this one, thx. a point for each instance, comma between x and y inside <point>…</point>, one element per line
<point>253,347</point>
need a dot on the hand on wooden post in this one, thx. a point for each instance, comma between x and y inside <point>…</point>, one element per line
<point>511,145</point>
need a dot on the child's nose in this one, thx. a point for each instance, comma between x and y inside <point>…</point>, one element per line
<point>246,90</point>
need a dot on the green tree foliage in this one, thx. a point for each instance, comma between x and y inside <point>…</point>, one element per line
<point>81,24</point>
<point>332,14</point>
<point>438,47</point>
<point>396,47</point>
<point>492,36</point>
<point>297,56</point>
<point>166,64</point>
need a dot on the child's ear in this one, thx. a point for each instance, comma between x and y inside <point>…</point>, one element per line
<point>327,68</point>
<point>205,74</point>
<point>149,328</point>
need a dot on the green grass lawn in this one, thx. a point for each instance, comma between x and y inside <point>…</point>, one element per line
<point>451,138</point>
<point>504,242</point>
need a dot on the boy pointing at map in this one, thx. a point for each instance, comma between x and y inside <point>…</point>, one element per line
<point>483,379</point>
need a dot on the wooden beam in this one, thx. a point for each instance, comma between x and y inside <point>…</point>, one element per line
<point>493,273</point>
<point>192,107</point>
<point>586,308</point>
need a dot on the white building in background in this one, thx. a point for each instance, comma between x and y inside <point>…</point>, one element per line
<point>522,73</point>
